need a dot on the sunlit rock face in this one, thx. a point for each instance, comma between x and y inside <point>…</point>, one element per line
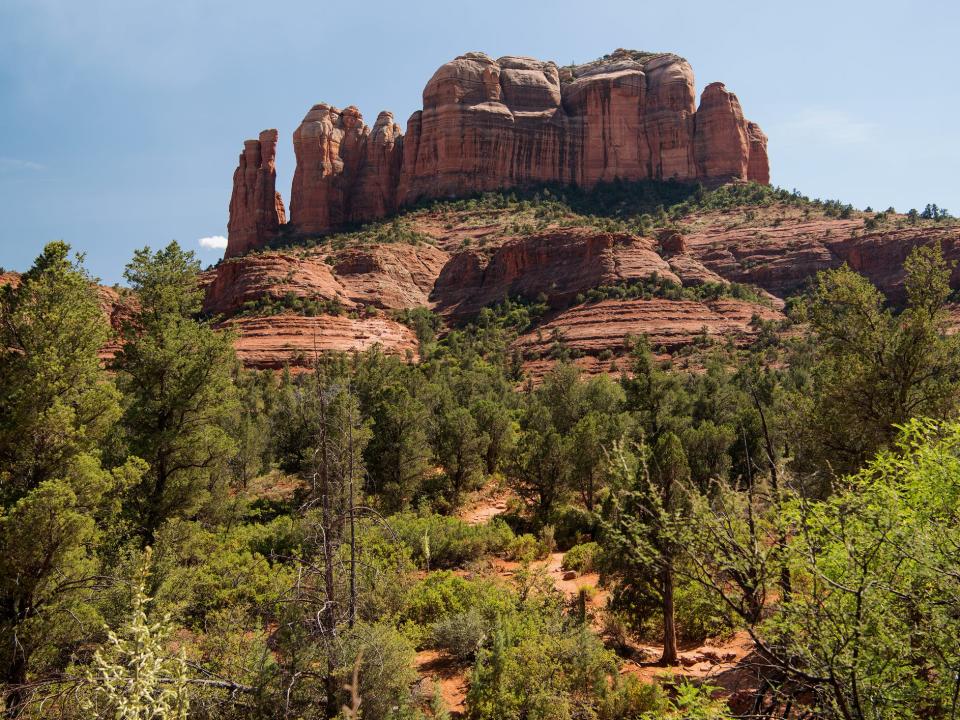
<point>495,124</point>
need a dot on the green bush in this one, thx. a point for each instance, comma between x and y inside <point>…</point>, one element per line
<point>631,698</point>
<point>386,669</point>
<point>699,613</point>
<point>526,548</point>
<point>442,594</point>
<point>438,541</point>
<point>197,572</point>
<point>463,634</point>
<point>581,557</point>
<point>572,525</point>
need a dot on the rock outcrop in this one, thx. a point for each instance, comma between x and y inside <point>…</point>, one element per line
<point>557,264</point>
<point>256,208</point>
<point>390,277</point>
<point>592,328</point>
<point>295,341</point>
<point>758,169</point>
<point>781,258</point>
<point>492,124</point>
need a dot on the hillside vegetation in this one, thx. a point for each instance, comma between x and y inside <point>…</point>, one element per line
<point>768,532</point>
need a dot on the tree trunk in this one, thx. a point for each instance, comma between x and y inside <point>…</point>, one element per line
<point>669,620</point>
<point>15,679</point>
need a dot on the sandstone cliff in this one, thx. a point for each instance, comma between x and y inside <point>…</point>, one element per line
<point>558,264</point>
<point>256,208</point>
<point>491,124</point>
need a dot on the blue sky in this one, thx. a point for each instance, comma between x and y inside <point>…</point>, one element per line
<point>121,121</point>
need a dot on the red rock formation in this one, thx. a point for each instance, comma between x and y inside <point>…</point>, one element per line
<point>491,124</point>
<point>720,146</point>
<point>256,208</point>
<point>376,192</point>
<point>386,276</point>
<point>758,169</point>
<point>289,340</point>
<point>560,264</point>
<point>270,276</point>
<point>592,328</point>
<point>669,122</point>
<point>329,145</point>
<point>389,276</point>
<point>781,257</point>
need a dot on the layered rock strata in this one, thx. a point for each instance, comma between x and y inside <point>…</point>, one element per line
<point>256,208</point>
<point>493,124</point>
<point>558,264</point>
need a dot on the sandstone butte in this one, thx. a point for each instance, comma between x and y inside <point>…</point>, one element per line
<point>493,124</point>
<point>490,124</point>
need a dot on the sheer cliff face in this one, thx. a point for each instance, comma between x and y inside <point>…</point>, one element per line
<point>490,124</point>
<point>256,209</point>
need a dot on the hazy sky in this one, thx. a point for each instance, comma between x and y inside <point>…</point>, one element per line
<point>121,120</point>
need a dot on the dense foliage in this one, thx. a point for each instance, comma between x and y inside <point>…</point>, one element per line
<point>179,537</point>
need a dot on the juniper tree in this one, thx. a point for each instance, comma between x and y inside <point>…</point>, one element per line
<point>56,408</point>
<point>175,372</point>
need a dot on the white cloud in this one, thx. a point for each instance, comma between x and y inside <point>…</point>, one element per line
<point>214,242</point>
<point>825,125</point>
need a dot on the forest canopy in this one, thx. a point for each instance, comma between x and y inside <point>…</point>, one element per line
<point>180,537</point>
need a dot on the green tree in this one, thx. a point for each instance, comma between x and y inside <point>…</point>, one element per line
<point>538,469</point>
<point>56,499</point>
<point>641,531</point>
<point>459,447</point>
<point>399,453</point>
<point>875,369</point>
<point>176,374</point>
<point>871,629</point>
<point>496,424</point>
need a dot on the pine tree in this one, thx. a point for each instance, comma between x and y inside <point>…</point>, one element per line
<point>175,371</point>
<point>56,409</point>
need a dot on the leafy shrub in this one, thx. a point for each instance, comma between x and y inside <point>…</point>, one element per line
<point>442,595</point>
<point>572,525</point>
<point>437,596</point>
<point>197,572</point>
<point>386,669</point>
<point>631,698</point>
<point>526,548</point>
<point>448,542</point>
<point>699,613</point>
<point>581,557</point>
<point>566,673</point>
<point>615,627</point>
<point>463,634</point>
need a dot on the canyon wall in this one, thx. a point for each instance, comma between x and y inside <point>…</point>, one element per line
<point>493,124</point>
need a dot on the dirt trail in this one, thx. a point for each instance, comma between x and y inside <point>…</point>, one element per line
<point>440,672</point>
<point>489,503</point>
<point>723,662</point>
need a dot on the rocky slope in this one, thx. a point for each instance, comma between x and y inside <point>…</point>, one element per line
<point>288,304</point>
<point>489,124</point>
<point>462,256</point>
<point>781,250</point>
<point>559,265</point>
<point>295,341</point>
